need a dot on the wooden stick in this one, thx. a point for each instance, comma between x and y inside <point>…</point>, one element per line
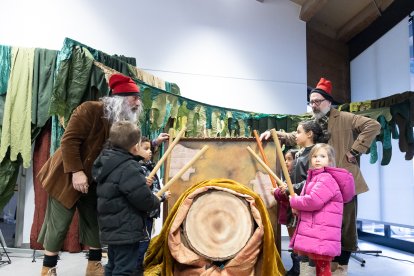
<point>266,167</point>
<point>166,153</point>
<point>182,171</point>
<point>168,161</point>
<point>259,144</point>
<point>282,161</point>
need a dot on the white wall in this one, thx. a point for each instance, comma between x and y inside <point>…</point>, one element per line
<point>220,52</point>
<point>380,71</point>
<point>240,54</point>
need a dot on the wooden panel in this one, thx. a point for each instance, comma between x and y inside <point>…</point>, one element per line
<point>225,158</point>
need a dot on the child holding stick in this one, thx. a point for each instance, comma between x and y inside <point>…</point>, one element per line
<point>154,185</point>
<point>285,213</point>
<point>308,134</point>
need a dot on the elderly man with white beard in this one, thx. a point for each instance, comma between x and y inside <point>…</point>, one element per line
<point>350,135</point>
<point>66,176</point>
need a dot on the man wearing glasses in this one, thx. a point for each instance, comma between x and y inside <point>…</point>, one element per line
<point>350,136</point>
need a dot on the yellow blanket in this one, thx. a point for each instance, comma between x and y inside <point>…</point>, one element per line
<point>159,261</point>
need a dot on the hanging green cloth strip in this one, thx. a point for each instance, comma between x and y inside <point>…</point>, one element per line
<point>42,86</point>
<point>9,171</point>
<point>71,83</point>
<point>16,132</point>
<point>109,60</point>
<point>56,134</point>
<point>2,101</point>
<point>5,61</point>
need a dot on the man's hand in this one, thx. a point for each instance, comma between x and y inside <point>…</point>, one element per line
<point>161,138</point>
<point>80,182</point>
<point>351,158</point>
<point>265,135</point>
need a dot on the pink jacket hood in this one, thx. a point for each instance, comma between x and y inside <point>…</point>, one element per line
<point>344,179</point>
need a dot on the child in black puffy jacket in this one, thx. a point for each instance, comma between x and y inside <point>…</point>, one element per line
<point>124,198</point>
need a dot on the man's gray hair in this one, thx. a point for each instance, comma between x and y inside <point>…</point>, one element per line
<point>116,109</point>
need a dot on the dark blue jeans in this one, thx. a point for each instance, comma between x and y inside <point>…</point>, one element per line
<point>143,245</point>
<point>121,259</point>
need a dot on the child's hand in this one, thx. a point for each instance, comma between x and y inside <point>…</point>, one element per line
<point>295,212</point>
<point>149,181</point>
<point>167,195</point>
<point>290,196</point>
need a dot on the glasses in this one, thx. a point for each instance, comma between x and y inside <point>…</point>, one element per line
<point>316,102</point>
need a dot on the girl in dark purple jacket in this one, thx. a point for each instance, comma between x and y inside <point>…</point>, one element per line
<point>320,208</point>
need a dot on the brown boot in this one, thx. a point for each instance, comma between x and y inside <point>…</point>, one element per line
<point>342,270</point>
<point>48,271</point>
<point>94,268</point>
<point>334,266</point>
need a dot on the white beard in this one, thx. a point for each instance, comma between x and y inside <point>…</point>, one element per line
<point>116,109</point>
<point>127,114</point>
<point>321,113</point>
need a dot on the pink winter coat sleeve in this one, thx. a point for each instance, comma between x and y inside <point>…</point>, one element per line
<point>320,192</point>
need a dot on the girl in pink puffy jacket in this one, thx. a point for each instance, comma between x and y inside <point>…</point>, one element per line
<point>319,208</point>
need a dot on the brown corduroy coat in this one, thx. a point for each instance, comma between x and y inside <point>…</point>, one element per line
<point>81,144</point>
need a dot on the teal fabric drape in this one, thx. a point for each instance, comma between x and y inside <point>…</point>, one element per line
<point>5,59</point>
<point>163,109</point>
<point>117,62</point>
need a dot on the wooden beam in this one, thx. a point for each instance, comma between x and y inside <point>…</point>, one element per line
<point>323,28</point>
<point>358,23</point>
<point>310,8</point>
<point>383,4</point>
<point>362,20</point>
<point>397,11</point>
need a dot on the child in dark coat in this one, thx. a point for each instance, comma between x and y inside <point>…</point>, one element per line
<point>124,199</point>
<point>155,186</point>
